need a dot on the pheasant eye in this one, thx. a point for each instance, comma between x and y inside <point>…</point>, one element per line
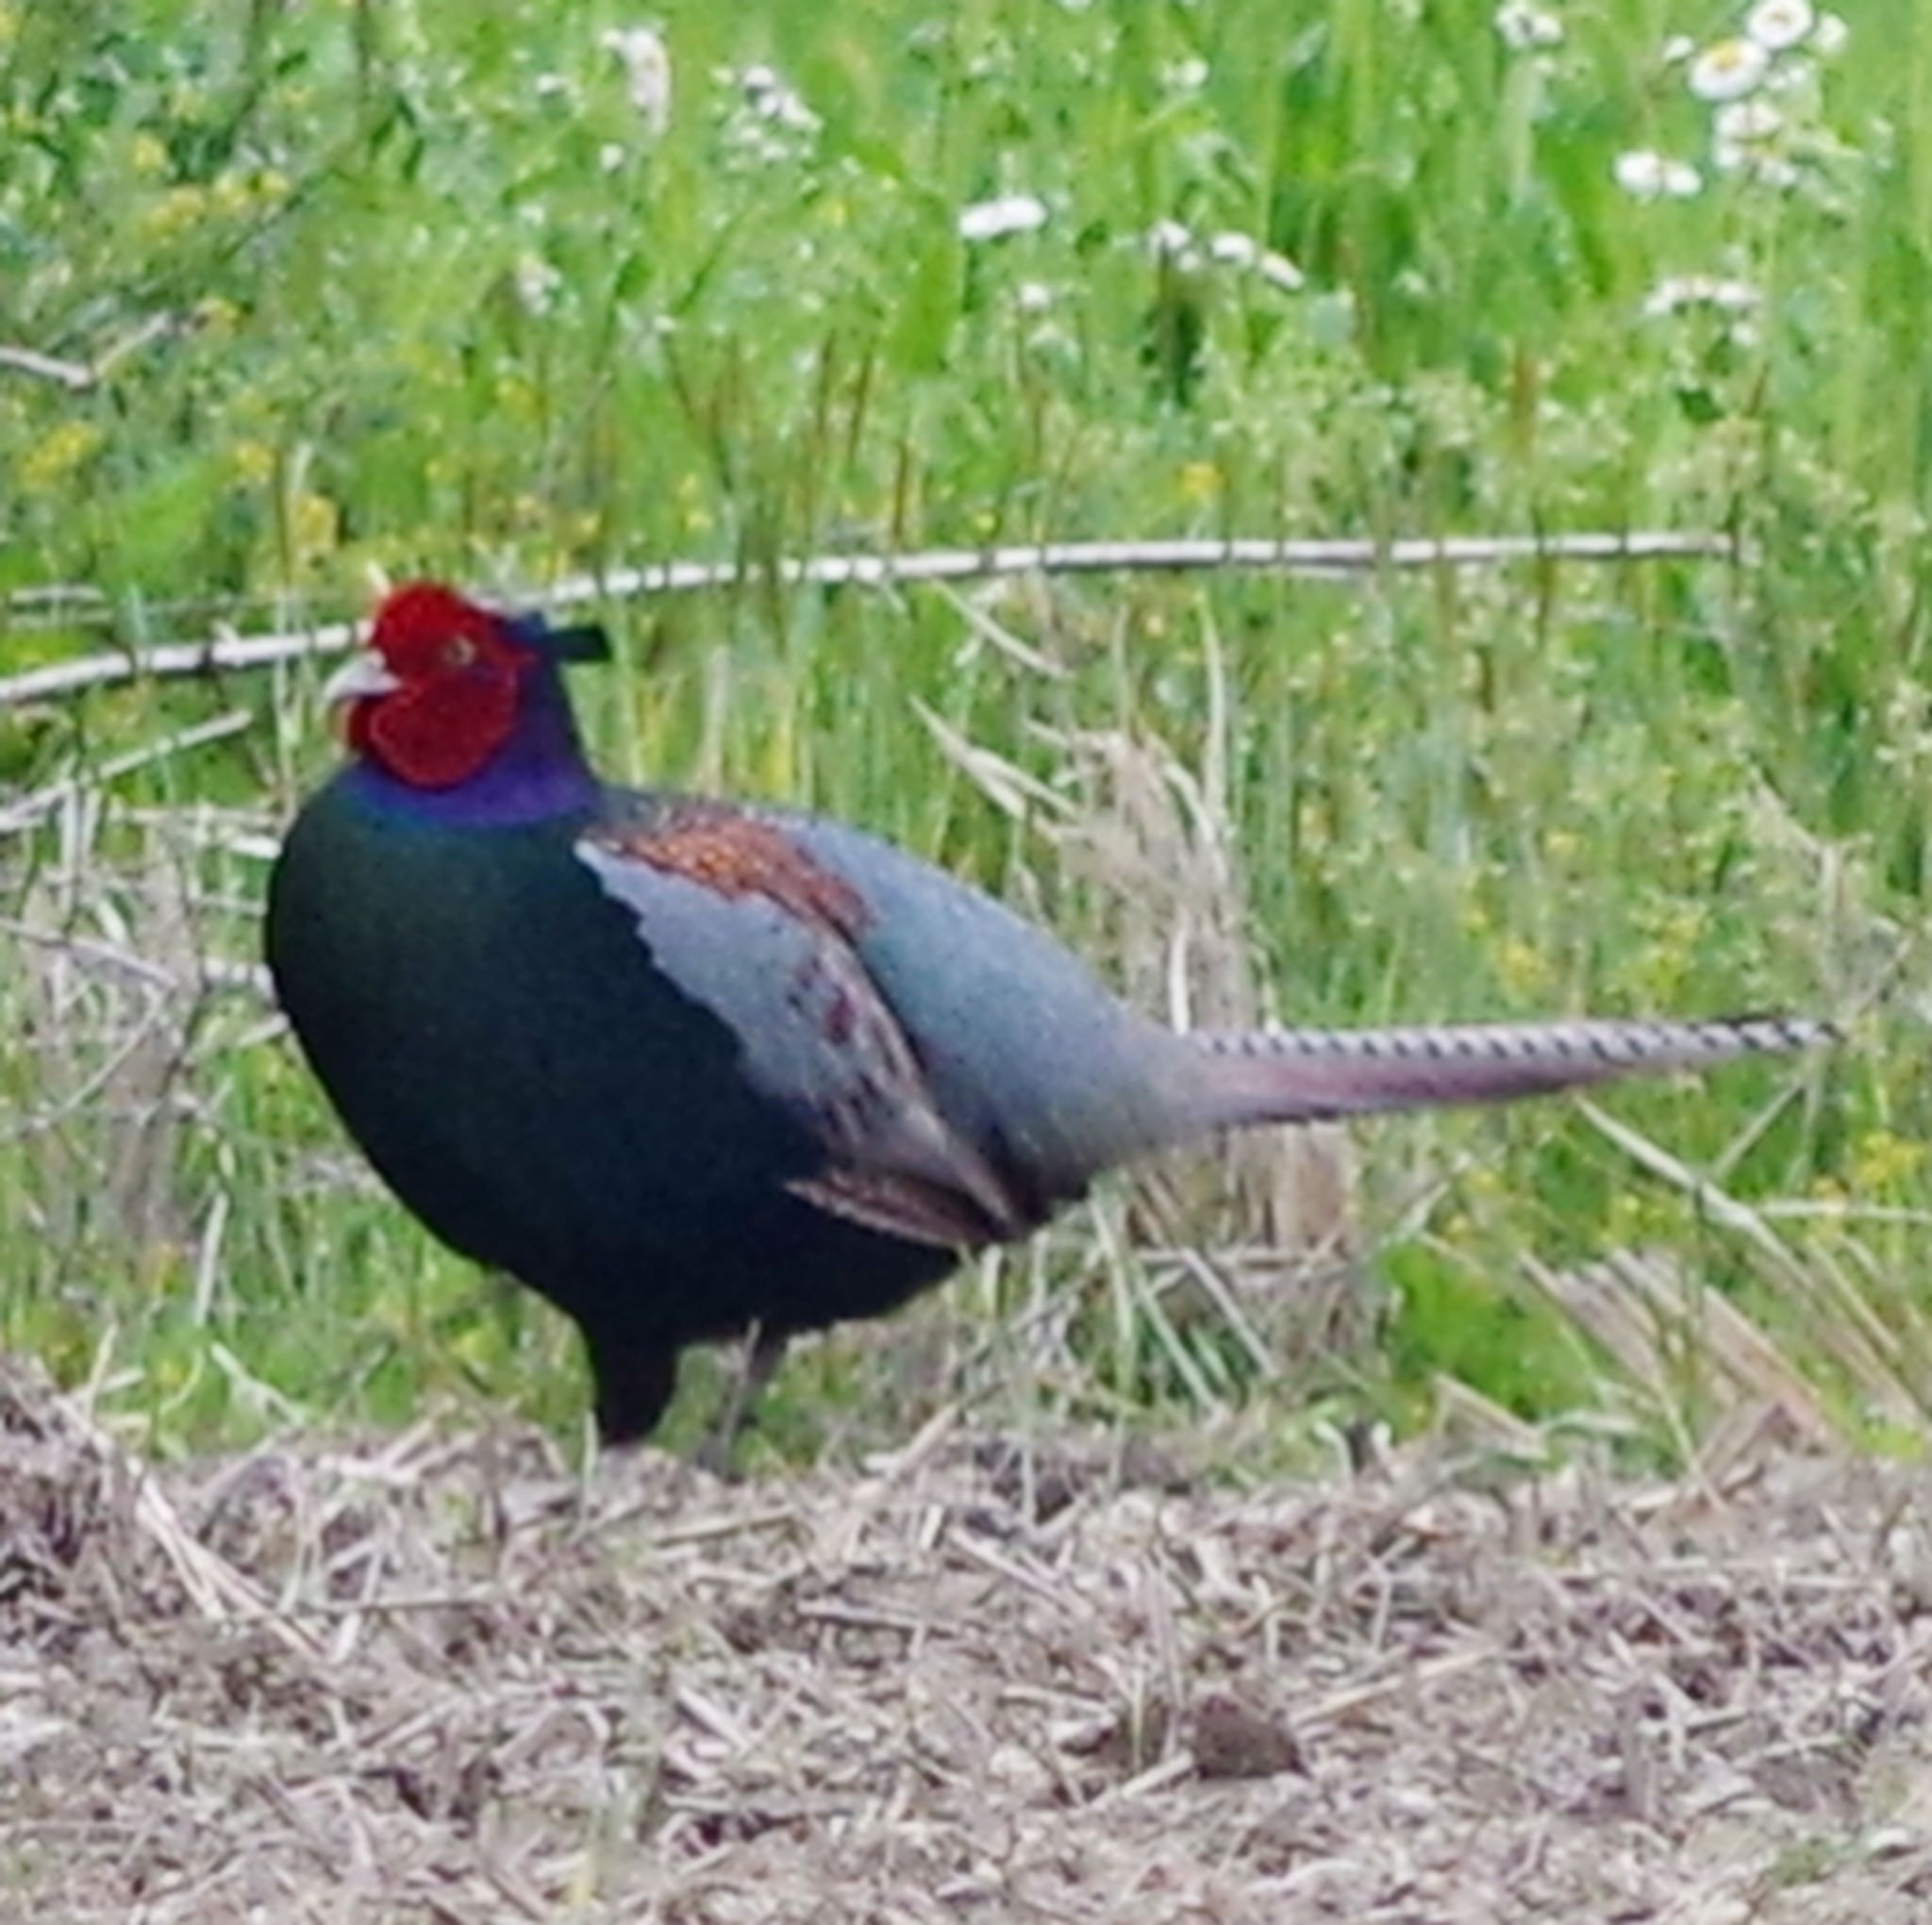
<point>458,652</point>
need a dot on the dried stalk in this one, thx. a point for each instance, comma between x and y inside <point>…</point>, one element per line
<point>1318,558</point>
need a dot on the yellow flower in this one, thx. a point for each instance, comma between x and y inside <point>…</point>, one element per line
<point>1881,1160</point>
<point>173,213</point>
<point>1664,961</point>
<point>146,154</point>
<point>230,193</point>
<point>314,523</point>
<point>1200,482</point>
<point>253,462</point>
<point>1522,969</point>
<point>58,454</point>
<point>216,315</point>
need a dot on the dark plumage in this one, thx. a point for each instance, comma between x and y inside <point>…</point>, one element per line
<point>689,1067</point>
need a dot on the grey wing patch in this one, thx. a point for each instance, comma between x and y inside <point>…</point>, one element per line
<point>816,1036</point>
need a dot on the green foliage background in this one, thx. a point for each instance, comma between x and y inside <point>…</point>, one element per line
<point>414,288</point>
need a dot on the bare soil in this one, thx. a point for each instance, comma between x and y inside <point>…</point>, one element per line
<point>429,1677</point>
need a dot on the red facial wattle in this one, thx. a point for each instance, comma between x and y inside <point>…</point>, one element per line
<point>436,735</point>
<point>439,691</point>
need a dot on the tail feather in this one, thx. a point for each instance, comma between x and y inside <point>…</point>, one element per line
<point>1305,1075</point>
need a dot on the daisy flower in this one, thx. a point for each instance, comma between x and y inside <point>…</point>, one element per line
<point>1739,121</point>
<point>1728,70</point>
<point>1648,175</point>
<point>1700,290</point>
<point>1004,214</point>
<point>1522,26</point>
<point>1245,251</point>
<point>1776,25</point>
<point>646,63</point>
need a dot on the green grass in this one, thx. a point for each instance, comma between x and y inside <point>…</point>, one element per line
<point>435,301</point>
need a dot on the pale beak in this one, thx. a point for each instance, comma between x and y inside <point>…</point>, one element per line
<point>360,677</point>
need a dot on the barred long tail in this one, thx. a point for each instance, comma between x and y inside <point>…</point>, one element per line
<point>1302,1075</point>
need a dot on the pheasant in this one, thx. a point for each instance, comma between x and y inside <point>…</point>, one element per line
<point>692,1067</point>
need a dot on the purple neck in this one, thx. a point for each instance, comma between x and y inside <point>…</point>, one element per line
<point>539,773</point>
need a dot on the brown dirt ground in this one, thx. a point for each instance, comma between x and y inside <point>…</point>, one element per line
<point>442,1678</point>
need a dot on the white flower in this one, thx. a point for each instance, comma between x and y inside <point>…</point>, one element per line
<point>1279,272</point>
<point>1245,251</point>
<point>1792,77</point>
<point>1776,25</point>
<point>612,155</point>
<point>1741,121</point>
<point>1700,290</point>
<point>769,124</point>
<point>1753,162</point>
<point>1005,215</point>
<point>1679,49</point>
<point>1522,26</point>
<point>1742,132</point>
<point>646,63</point>
<point>1829,36</point>
<point>1170,241</point>
<point>549,86</point>
<point>770,97</point>
<point>536,282</point>
<point>1185,76</point>
<point>1032,297</point>
<point>1728,70</point>
<point>1651,177</point>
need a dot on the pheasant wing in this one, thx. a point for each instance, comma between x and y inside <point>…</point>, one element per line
<point>749,927</point>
